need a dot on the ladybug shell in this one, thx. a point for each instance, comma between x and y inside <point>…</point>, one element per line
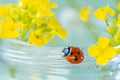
<point>76,55</point>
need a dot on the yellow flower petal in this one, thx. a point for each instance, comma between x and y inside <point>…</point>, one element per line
<point>9,33</point>
<point>38,32</point>
<point>5,10</point>
<point>109,52</point>
<point>8,22</point>
<point>94,50</point>
<point>44,39</point>
<point>20,25</point>
<point>53,23</point>
<point>84,13</point>
<point>101,60</point>
<point>12,34</point>
<point>36,38</point>
<point>103,42</point>
<point>109,10</point>
<point>61,33</point>
<point>111,30</point>
<point>100,13</point>
<point>53,5</point>
<point>56,28</point>
<point>9,29</point>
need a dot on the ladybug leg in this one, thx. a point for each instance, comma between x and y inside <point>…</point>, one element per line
<point>64,55</point>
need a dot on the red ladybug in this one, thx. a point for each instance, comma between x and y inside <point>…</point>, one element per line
<point>73,54</point>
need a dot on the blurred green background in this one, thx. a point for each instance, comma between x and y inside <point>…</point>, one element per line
<point>80,33</point>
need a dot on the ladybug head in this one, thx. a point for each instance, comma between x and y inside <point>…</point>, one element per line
<point>66,51</point>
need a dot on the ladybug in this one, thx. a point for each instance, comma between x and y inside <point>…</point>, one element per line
<point>74,55</point>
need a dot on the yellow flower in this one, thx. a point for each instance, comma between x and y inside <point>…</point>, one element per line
<point>84,13</point>
<point>36,38</point>
<point>103,51</point>
<point>101,12</point>
<point>118,6</point>
<point>29,17</point>
<point>111,30</point>
<point>108,53</point>
<point>9,29</point>
<point>56,28</point>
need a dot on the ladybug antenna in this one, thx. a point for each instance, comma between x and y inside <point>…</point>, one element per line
<point>82,49</point>
<point>85,49</point>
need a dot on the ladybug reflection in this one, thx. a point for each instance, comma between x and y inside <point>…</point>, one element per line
<point>74,55</point>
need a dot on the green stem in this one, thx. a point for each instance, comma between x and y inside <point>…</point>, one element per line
<point>106,22</point>
<point>11,71</point>
<point>22,37</point>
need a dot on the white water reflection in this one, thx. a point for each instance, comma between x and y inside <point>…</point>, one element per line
<point>52,77</point>
<point>117,76</point>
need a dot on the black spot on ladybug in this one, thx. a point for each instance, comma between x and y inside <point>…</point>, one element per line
<point>71,53</point>
<point>68,49</point>
<point>76,58</point>
<point>78,52</point>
